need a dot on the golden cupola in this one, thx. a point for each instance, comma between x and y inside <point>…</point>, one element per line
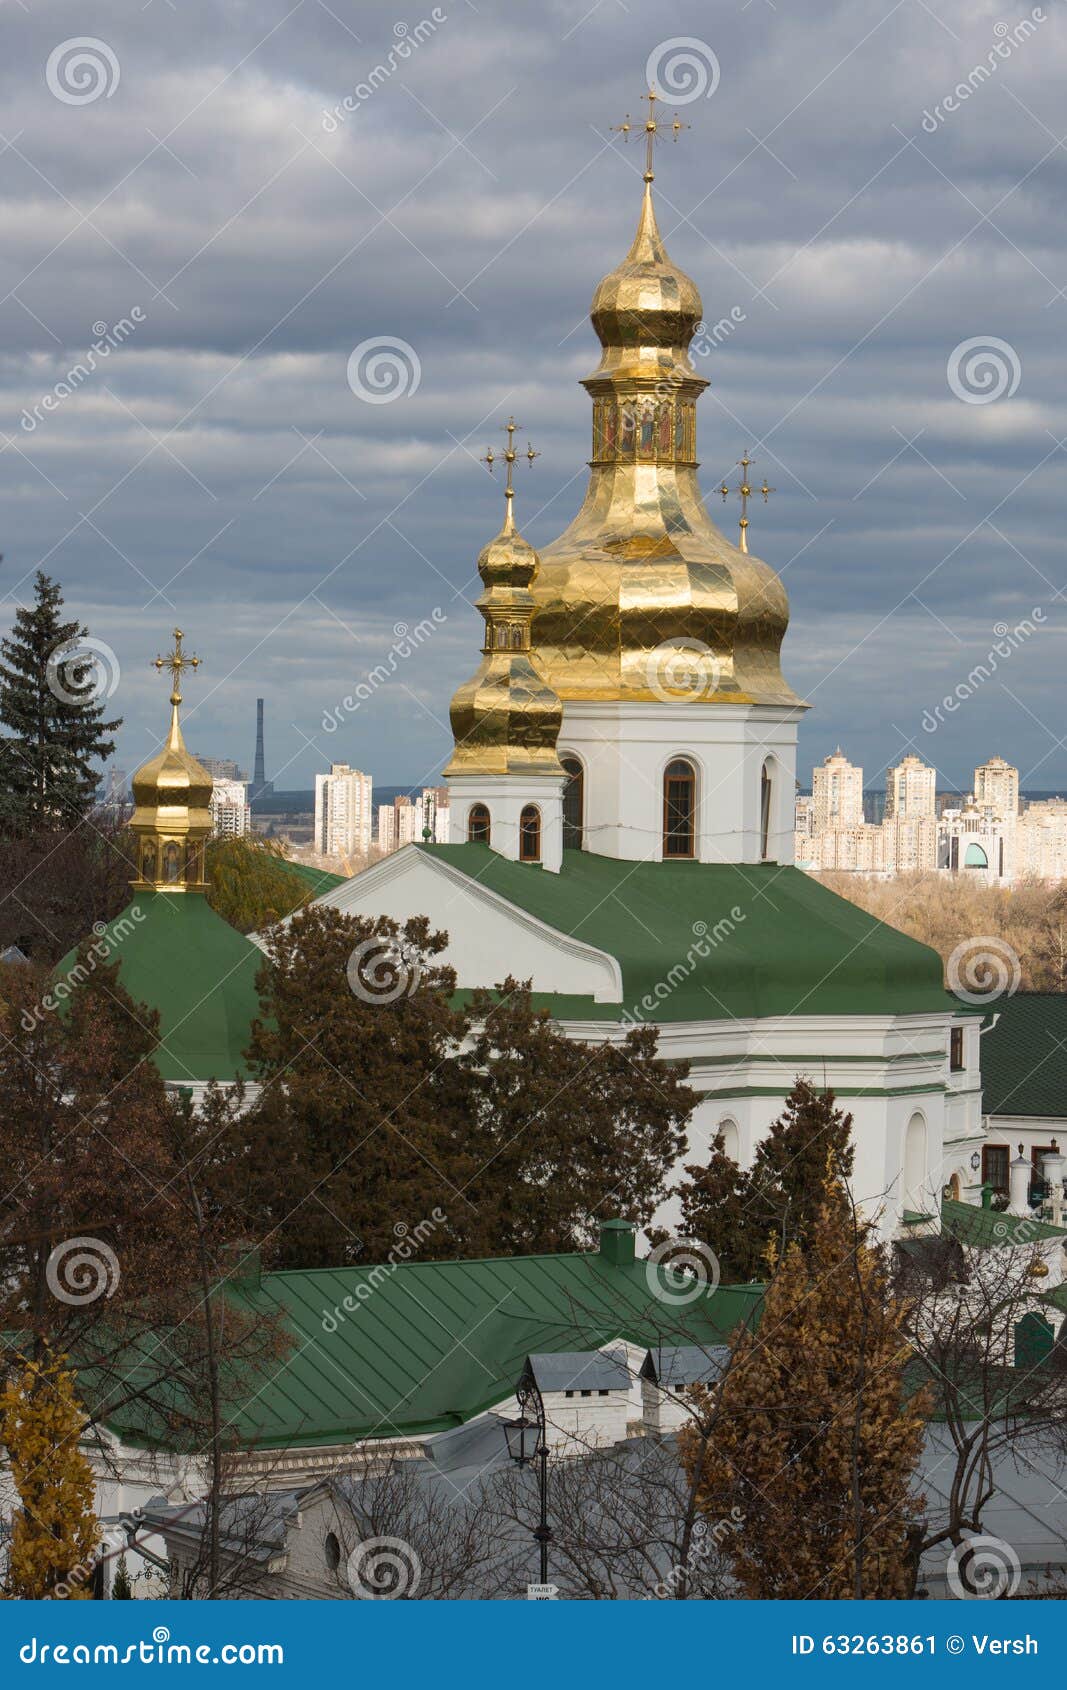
<point>643,583</point>
<point>505,719</point>
<point>172,796</point>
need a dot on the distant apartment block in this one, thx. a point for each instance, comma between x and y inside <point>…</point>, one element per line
<point>343,812</point>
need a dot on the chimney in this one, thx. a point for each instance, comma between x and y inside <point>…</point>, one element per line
<point>1019,1184</point>
<point>617,1242</point>
<point>259,775</point>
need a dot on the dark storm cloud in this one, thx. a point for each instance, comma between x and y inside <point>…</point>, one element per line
<point>216,469</point>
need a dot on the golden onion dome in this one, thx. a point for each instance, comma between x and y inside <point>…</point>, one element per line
<point>172,797</point>
<point>642,586</point>
<point>646,306</point>
<point>505,719</point>
<point>174,778</point>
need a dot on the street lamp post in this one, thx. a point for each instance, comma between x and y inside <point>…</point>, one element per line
<point>527,1442</point>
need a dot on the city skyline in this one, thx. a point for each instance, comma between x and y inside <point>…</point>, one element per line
<point>223,471</point>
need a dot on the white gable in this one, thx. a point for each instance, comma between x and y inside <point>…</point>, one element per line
<point>489,938</point>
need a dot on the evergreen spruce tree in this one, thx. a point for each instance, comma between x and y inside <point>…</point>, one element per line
<point>736,1211</point>
<point>121,1588</point>
<point>52,729</point>
<point>812,1439</point>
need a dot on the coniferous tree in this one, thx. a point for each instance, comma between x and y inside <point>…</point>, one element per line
<point>814,1438</point>
<point>121,1588</point>
<point>54,728</point>
<point>736,1211</point>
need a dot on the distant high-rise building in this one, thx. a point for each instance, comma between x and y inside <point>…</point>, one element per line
<point>911,791</point>
<point>343,811</point>
<point>837,793</point>
<point>230,812</point>
<point>996,786</point>
<point>261,786</point>
<point>408,821</point>
<point>221,768</point>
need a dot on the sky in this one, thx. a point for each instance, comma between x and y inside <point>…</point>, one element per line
<point>329,248</point>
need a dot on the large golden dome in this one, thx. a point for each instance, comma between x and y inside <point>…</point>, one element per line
<point>642,585</point>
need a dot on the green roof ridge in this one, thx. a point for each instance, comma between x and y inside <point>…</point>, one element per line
<point>787,945</point>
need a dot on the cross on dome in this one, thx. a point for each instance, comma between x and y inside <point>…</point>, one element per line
<point>176,661</point>
<point>652,127</point>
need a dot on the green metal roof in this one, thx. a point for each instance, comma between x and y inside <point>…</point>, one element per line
<point>180,958</point>
<point>973,1225</point>
<point>793,948</point>
<point>318,880</point>
<point>424,1346</point>
<point>1024,1056</point>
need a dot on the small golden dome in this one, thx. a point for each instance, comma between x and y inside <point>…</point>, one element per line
<point>172,797</point>
<point>505,719</point>
<point>646,303</point>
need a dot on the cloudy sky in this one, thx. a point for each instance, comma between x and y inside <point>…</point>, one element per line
<point>865,187</point>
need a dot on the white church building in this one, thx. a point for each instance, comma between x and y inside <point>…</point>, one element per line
<point>622,801</point>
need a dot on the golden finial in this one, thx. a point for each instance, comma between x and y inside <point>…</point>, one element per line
<point>176,661</point>
<point>652,128</point>
<point>745,492</point>
<point>509,455</point>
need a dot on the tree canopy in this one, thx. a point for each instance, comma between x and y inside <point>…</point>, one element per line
<point>55,726</point>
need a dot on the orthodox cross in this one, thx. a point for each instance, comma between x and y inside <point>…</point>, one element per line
<point>509,455</point>
<point>176,661</point>
<point>745,492</point>
<point>652,128</point>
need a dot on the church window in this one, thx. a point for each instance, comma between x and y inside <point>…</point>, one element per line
<point>679,809</point>
<point>915,1195</point>
<point>478,825</point>
<point>995,1160</point>
<point>530,834</point>
<point>573,803</point>
<point>955,1049</point>
<point>766,793</point>
<point>333,1552</point>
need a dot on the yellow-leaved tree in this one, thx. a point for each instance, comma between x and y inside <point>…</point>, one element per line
<point>55,1530</point>
<point>811,1438</point>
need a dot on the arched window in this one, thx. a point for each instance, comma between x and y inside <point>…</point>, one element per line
<point>976,857</point>
<point>679,809</point>
<point>573,804</point>
<point>530,835</point>
<point>731,1139</point>
<point>765,796</point>
<point>916,1197</point>
<point>478,825</point>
